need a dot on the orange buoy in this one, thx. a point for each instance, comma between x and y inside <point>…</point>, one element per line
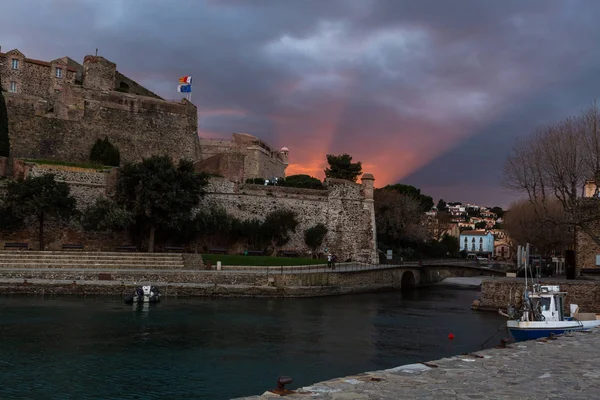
<point>451,336</point>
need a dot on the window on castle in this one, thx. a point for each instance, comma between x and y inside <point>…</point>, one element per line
<point>15,63</point>
<point>13,87</point>
<point>59,72</point>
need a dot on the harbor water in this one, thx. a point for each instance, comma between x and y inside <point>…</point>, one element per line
<point>72,347</point>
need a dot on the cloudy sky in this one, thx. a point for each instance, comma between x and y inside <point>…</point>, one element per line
<point>428,93</point>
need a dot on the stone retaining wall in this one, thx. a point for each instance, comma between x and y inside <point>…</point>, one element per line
<point>500,292</point>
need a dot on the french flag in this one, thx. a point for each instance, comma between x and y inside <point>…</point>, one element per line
<point>186,79</point>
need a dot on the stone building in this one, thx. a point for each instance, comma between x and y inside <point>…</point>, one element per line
<point>587,250</point>
<point>243,157</point>
<point>58,109</point>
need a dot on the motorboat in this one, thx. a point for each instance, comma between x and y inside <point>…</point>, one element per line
<point>541,315</point>
<point>144,294</point>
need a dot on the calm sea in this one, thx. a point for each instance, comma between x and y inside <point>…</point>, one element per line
<point>72,347</point>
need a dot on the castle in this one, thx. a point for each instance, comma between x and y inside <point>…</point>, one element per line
<point>58,109</point>
<point>244,157</point>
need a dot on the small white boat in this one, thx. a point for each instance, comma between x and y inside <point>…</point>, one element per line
<point>542,315</point>
<point>144,294</point>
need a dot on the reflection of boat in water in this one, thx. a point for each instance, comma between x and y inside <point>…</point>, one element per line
<point>144,294</point>
<point>542,315</point>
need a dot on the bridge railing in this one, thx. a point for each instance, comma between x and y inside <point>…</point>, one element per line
<point>349,267</point>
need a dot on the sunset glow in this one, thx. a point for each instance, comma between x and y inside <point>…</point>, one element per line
<point>433,94</point>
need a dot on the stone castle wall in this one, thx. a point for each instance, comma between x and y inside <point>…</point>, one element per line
<point>343,208</point>
<point>346,209</point>
<point>86,184</point>
<point>258,159</point>
<point>67,126</point>
<point>58,109</point>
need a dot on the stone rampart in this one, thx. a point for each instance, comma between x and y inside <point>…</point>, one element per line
<point>342,208</point>
<point>66,126</point>
<point>86,184</point>
<point>345,208</point>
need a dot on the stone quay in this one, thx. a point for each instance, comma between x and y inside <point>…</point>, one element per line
<point>567,367</point>
<point>499,292</point>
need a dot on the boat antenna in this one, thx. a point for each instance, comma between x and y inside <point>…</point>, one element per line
<point>526,259</point>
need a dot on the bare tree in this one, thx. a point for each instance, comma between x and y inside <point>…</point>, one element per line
<point>554,164</point>
<point>398,217</point>
<point>523,226</point>
<point>439,225</point>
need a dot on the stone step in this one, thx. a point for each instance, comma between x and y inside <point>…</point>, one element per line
<point>44,263</point>
<point>122,265</point>
<point>83,256</point>
<point>86,253</point>
<point>90,259</point>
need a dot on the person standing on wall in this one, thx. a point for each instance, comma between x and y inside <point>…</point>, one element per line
<point>329,260</point>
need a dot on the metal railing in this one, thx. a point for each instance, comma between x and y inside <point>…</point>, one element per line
<point>346,267</point>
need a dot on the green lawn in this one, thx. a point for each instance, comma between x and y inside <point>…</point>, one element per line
<point>258,260</point>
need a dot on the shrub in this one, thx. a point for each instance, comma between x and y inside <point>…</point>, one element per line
<point>314,236</point>
<point>105,215</point>
<point>105,153</point>
<point>302,181</point>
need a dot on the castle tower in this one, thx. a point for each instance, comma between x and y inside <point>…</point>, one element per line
<point>99,73</point>
<point>285,152</point>
<point>368,185</point>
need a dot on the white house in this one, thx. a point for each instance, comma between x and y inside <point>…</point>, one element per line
<point>479,242</point>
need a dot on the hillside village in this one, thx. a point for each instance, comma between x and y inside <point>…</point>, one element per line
<point>478,229</point>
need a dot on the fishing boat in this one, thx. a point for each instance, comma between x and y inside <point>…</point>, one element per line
<point>144,294</point>
<point>542,315</point>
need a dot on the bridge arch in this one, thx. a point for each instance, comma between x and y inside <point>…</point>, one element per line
<point>408,280</point>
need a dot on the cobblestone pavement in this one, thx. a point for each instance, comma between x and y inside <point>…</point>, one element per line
<point>567,367</point>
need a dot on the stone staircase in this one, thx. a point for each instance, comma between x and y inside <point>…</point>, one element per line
<point>83,260</point>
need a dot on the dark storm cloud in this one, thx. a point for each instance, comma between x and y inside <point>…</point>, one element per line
<point>433,93</point>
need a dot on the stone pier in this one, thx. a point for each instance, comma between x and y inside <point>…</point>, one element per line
<point>567,367</point>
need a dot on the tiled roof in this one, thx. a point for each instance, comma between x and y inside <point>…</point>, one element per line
<point>40,62</point>
<point>46,64</point>
<point>474,233</point>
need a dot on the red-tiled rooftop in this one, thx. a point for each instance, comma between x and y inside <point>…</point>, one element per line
<point>43,63</point>
<point>474,233</point>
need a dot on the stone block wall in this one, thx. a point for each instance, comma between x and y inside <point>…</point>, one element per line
<point>500,292</point>
<point>35,77</point>
<point>86,184</point>
<point>67,126</point>
<point>258,159</point>
<point>60,116</point>
<point>99,73</point>
<point>343,208</point>
<point>587,249</point>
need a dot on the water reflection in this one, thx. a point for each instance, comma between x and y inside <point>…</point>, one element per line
<point>98,348</point>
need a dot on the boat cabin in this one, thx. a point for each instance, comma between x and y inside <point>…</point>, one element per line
<point>547,304</point>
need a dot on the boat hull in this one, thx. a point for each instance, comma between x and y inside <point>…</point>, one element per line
<point>522,331</point>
